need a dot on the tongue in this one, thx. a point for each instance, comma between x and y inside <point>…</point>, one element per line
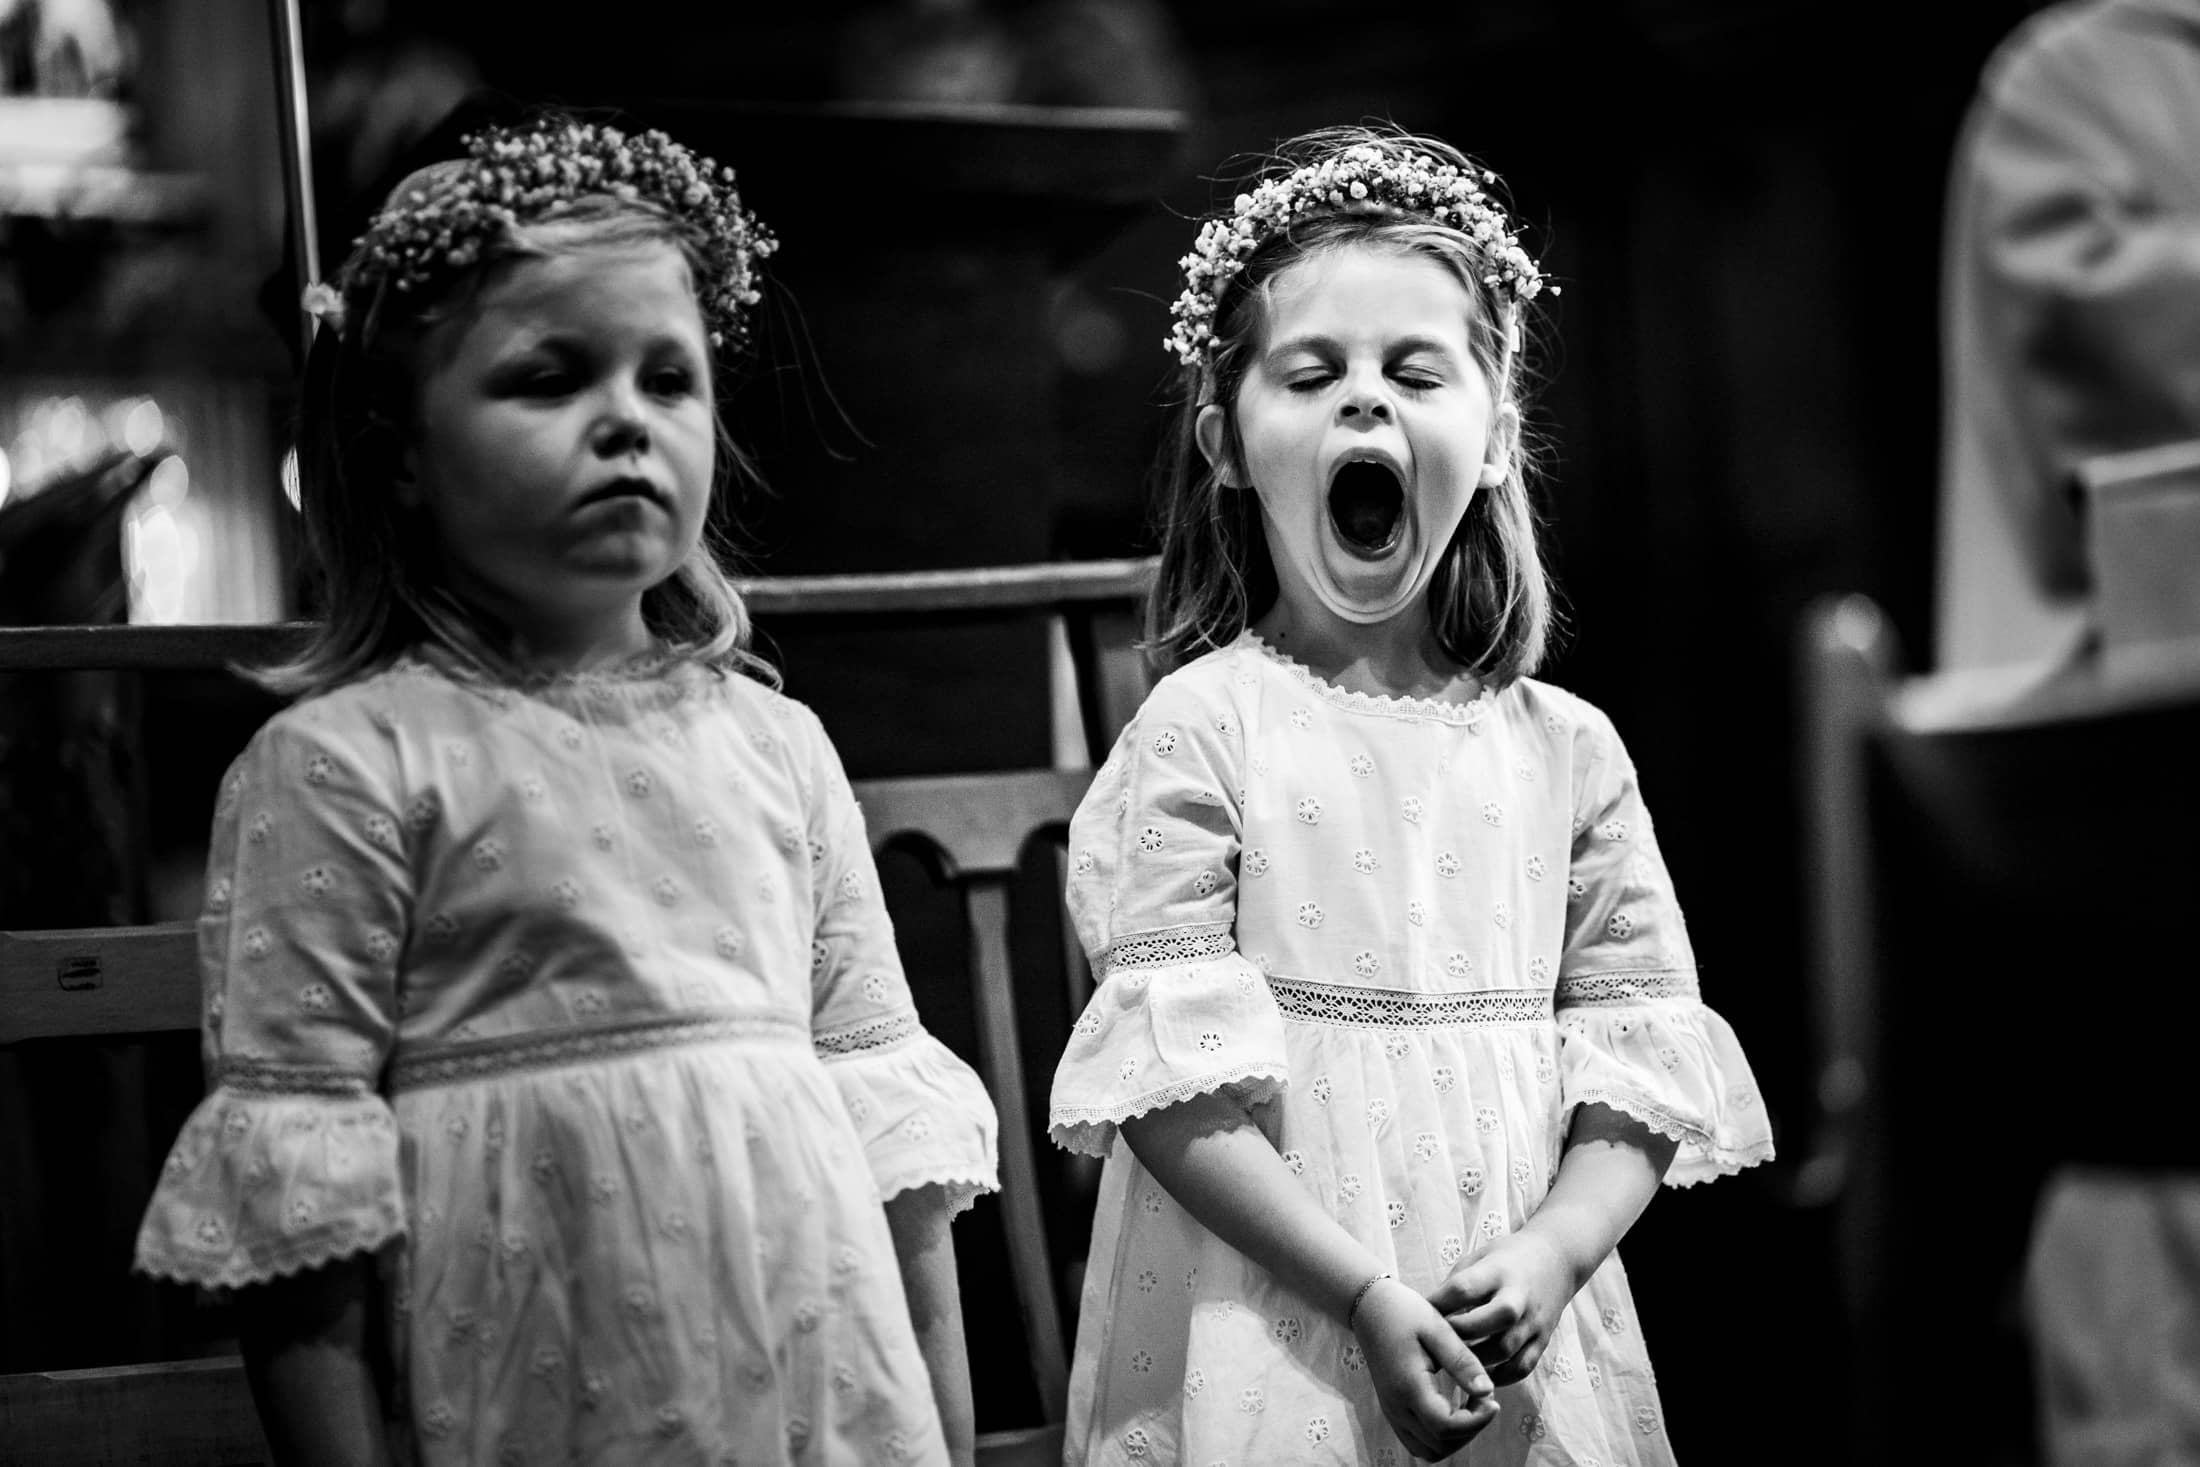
<point>1364,504</point>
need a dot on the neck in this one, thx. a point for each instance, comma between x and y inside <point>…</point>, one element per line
<point>557,646</point>
<point>1398,658</point>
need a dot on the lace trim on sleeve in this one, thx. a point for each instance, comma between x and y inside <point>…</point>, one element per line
<point>1702,1157</point>
<point>1628,987</point>
<point>1090,1129</point>
<point>238,1270</point>
<point>872,1034</point>
<point>1169,946</point>
<point>273,1077</point>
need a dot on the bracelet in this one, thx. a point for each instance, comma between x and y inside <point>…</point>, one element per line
<point>1352,1309</point>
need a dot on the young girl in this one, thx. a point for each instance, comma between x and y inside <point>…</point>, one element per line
<point>549,992</point>
<point>1398,1020</point>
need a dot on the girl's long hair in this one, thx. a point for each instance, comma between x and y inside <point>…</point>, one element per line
<point>381,591</point>
<point>1491,600</point>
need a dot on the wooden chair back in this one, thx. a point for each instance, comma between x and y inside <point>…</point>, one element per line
<point>1993,880</point>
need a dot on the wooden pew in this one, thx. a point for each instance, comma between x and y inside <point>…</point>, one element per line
<point>1995,878</point>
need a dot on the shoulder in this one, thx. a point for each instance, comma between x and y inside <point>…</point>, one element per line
<point>1570,727</point>
<point>773,721</point>
<point>1207,687</point>
<point>2072,43</point>
<point>365,711</point>
<point>345,736</point>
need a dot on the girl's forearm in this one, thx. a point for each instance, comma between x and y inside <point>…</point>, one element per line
<point>926,1250</point>
<point>1216,1163</point>
<point>304,1340</point>
<point>1611,1169</point>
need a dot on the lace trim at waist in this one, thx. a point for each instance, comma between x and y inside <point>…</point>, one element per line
<point>1390,1008</point>
<point>448,1063</point>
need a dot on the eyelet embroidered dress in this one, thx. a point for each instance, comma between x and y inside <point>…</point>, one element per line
<point>1413,935</point>
<point>585,999</point>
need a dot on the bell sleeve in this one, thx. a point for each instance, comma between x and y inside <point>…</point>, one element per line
<point>290,1161</point>
<point>923,1115</point>
<point>1635,1033</point>
<point>1178,1012</point>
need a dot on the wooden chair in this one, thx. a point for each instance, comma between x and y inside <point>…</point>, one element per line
<point>973,833</point>
<point>1996,872</point>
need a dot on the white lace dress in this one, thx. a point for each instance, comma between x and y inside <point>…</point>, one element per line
<point>581,1007</point>
<point>1417,935</point>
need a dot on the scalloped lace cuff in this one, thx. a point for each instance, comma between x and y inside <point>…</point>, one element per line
<point>1090,1131</point>
<point>923,1116</point>
<point>1158,1036</point>
<point>1676,1066</point>
<point>262,1185</point>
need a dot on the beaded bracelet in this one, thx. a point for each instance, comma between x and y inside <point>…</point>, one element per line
<point>1352,1310</point>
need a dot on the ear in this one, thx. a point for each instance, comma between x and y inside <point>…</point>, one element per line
<point>1212,431</point>
<point>1504,433</point>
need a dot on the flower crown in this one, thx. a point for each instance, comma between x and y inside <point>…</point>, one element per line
<point>538,171</point>
<point>1360,179</point>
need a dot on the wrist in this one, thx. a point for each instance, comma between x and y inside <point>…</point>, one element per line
<point>1354,1309</point>
<point>1575,1257</point>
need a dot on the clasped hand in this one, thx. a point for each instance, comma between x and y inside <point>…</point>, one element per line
<point>1485,1326</point>
<point>1505,1301</point>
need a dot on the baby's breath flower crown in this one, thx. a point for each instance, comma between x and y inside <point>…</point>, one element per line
<point>1358,179</point>
<point>536,171</point>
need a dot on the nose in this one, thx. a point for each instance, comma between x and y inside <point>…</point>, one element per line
<point>1363,404</point>
<point>622,426</point>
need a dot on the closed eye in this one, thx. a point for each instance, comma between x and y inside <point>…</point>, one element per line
<point>672,382</point>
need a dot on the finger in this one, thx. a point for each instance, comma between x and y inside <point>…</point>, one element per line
<point>1463,1290</point>
<point>1485,1322</point>
<point>1457,1294</point>
<point>1522,1361</point>
<point>1455,1360</point>
<point>1463,1425</point>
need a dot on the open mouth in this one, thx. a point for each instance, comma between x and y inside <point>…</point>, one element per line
<point>1367,505</point>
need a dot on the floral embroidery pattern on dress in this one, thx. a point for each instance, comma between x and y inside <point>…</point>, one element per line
<point>1256,862</point>
<point>1310,914</point>
<point>1620,925</point>
<point>1149,839</point>
<point>1164,742</point>
<point>1447,865</point>
<point>1309,811</point>
<point>1361,765</point>
<point>1492,813</point>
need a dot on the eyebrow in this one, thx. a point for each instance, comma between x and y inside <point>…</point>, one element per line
<point>1316,344</point>
<point>562,339</point>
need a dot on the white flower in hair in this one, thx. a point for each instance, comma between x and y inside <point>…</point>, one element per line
<point>1356,179</point>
